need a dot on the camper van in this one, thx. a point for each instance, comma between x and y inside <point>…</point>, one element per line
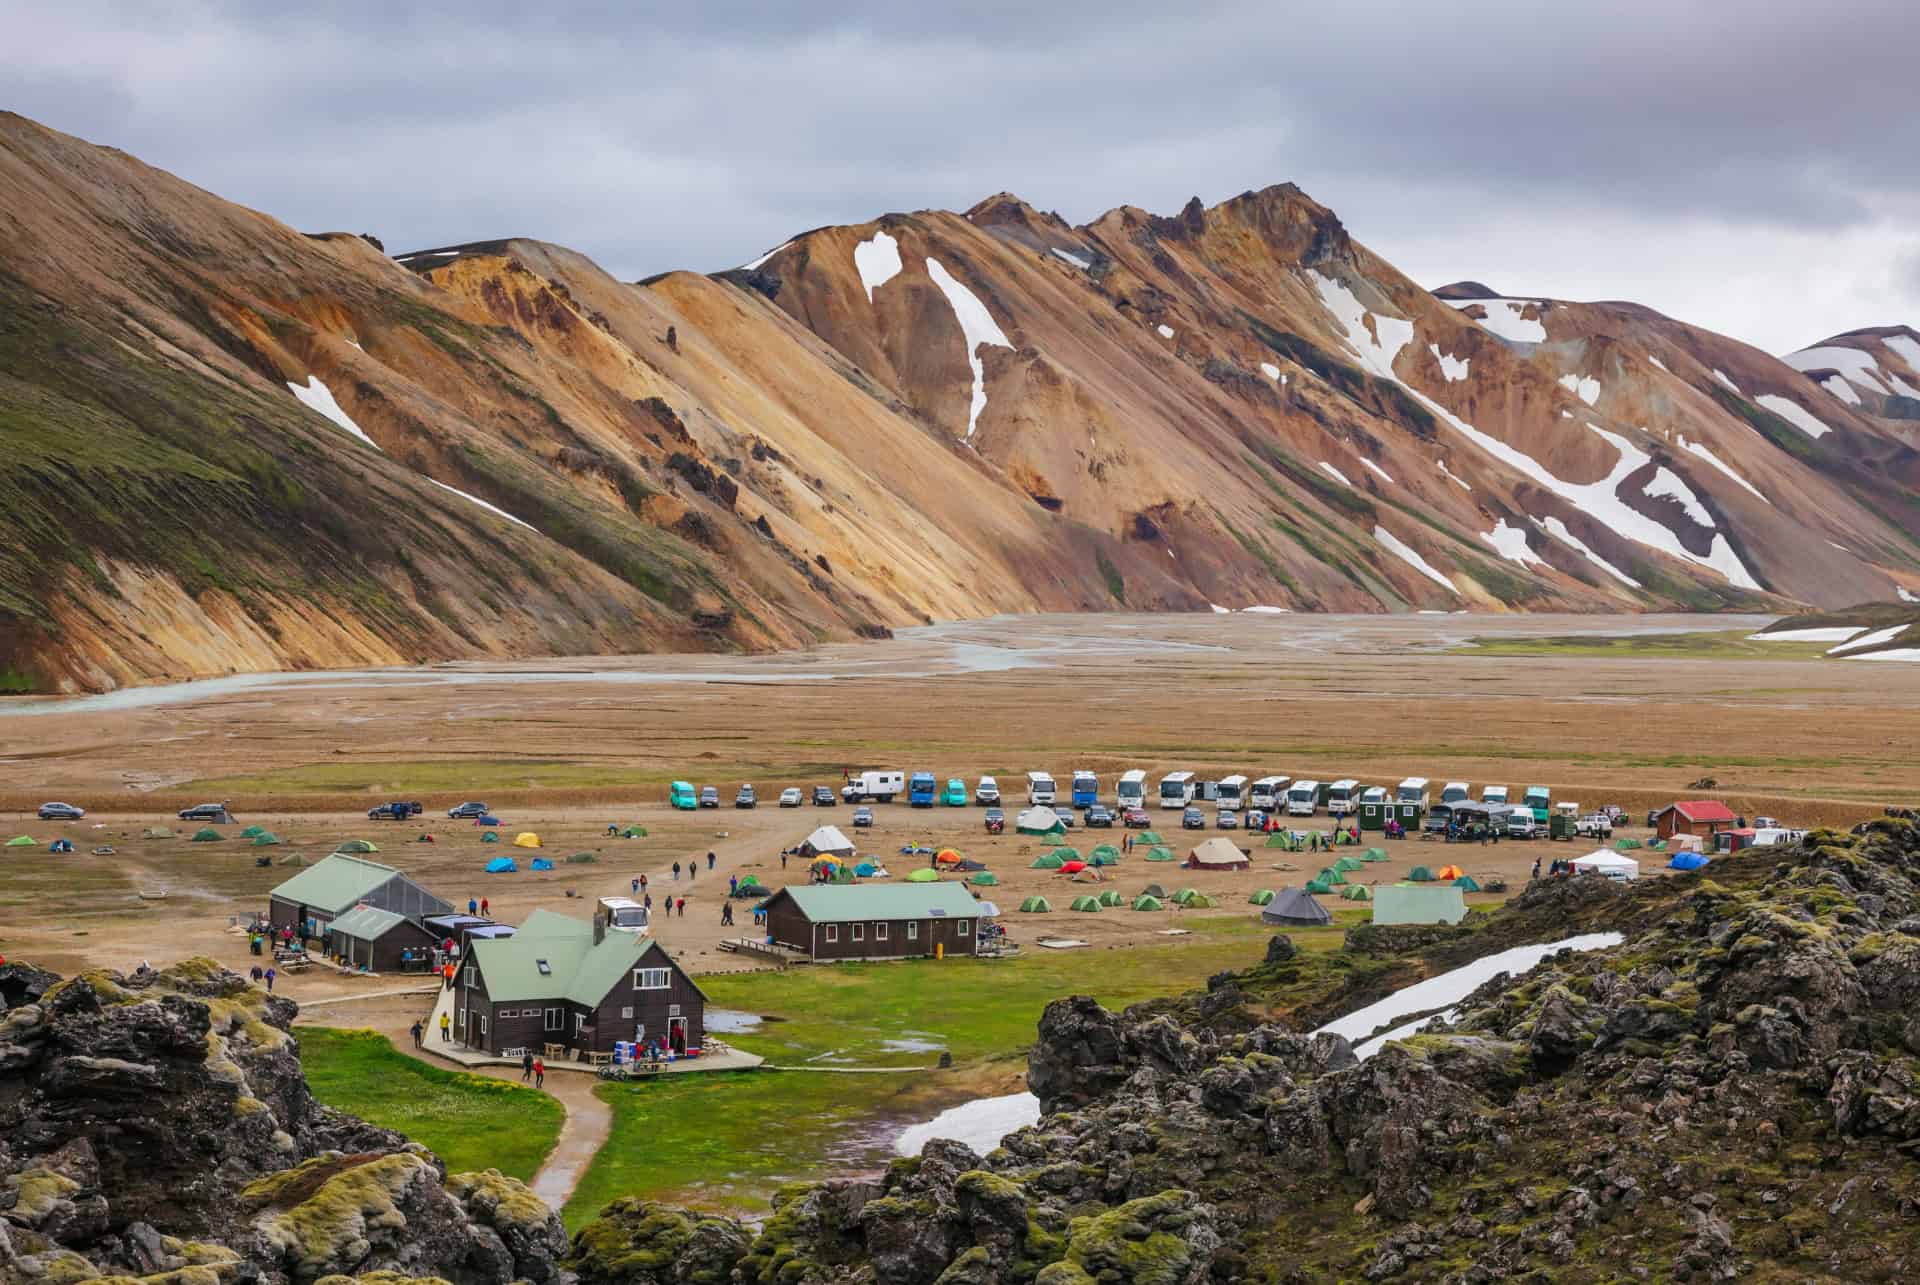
<point>921,789</point>
<point>1413,790</point>
<point>1456,792</point>
<point>1176,790</point>
<point>1493,794</point>
<point>987,793</point>
<point>869,787</point>
<point>1232,793</point>
<point>1343,797</point>
<point>619,915</point>
<point>1540,799</point>
<point>680,794</point>
<point>1267,793</point>
<point>1133,790</point>
<point>1303,798</point>
<point>1086,789</point>
<point>1040,789</point>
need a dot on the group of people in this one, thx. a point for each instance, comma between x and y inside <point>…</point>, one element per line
<point>1473,832</point>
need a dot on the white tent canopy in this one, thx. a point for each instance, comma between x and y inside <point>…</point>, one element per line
<point>1038,820</point>
<point>827,839</point>
<point>1217,854</point>
<point>1611,864</point>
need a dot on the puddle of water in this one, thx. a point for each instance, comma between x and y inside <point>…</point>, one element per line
<point>731,1021</point>
<point>980,1123</point>
<point>910,1045</point>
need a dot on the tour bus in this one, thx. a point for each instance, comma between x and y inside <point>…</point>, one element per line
<point>680,794</point>
<point>1540,799</point>
<point>1267,793</point>
<point>1040,789</point>
<point>1493,794</point>
<point>1176,790</point>
<point>1232,793</point>
<point>1303,797</point>
<point>620,915</point>
<point>921,789</point>
<point>1456,792</point>
<point>1413,790</point>
<point>1086,789</point>
<point>1343,797</point>
<point>1133,790</point>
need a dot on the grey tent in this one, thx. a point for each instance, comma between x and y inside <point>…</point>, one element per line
<point>1295,908</point>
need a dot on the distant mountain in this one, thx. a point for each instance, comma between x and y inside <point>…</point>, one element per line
<point>1875,370</point>
<point>233,446</point>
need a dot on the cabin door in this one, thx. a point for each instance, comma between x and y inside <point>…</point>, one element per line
<point>677,1034</point>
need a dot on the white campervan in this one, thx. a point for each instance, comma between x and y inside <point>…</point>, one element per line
<point>621,915</point>
<point>1413,790</point>
<point>1267,793</point>
<point>1456,792</point>
<point>1303,798</point>
<point>1493,794</point>
<point>1133,790</point>
<point>1040,789</point>
<point>1176,790</point>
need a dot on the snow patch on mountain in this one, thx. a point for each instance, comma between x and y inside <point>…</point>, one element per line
<point>1504,319</point>
<point>1873,639</point>
<point>1721,375</point>
<point>1585,387</point>
<point>1856,366</point>
<point>1667,485</point>
<point>1453,369</point>
<point>1335,473</point>
<point>759,262</point>
<point>474,499</point>
<point>1078,261</point>
<point>878,261</point>
<point>1906,348</point>
<point>317,397</point>
<point>1452,477</point>
<point>1376,348</point>
<point>977,326</point>
<point>1270,370</point>
<point>1892,653</point>
<point>1700,449</point>
<point>1378,471</point>
<point>1408,554</point>
<point>1166,331</point>
<point>1558,530</point>
<point>1839,387</point>
<point>1795,414</point>
<point>1656,361</point>
<point>1905,596</point>
<point>1510,542</point>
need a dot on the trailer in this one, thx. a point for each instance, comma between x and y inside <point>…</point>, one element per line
<point>1375,808</point>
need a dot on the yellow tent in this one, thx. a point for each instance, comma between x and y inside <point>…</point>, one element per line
<point>527,839</point>
<point>1449,873</point>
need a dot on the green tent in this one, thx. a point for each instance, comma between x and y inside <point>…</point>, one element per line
<point>1144,902</point>
<point>1625,845</point>
<point>1356,892</point>
<point>356,845</point>
<point>1068,854</point>
<point>922,875</point>
<point>1318,888</point>
<point>266,839</point>
<point>1347,865</point>
<point>208,835</point>
<point>1086,905</point>
<point>1331,876</point>
<point>1200,901</point>
<point>1465,883</point>
<point>1102,859</point>
<point>1036,905</point>
<point>294,859</point>
<point>581,859</point>
<point>1342,837</point>
<point>1185,895</point>
<point>490,836</point>
<point>1111,897</point>
<point>1658,845</point>
<point>1263,897</point>
<point>634,832</point>
<point>1420,874</point>
<point>1149,837</point>
<point>253,831</point>
<point>1373,854</point>
<point>985,879</point>
<point>28,841</point>
<point>1283,839</point>
<point>158,832</point>
<point>1106,850</point>
<point>1160,853</point>
<point>1047,861</point>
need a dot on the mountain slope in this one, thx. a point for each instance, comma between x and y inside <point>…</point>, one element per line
<point>237,446</point>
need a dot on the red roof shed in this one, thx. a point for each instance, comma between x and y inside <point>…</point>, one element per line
<point>1693,816</point>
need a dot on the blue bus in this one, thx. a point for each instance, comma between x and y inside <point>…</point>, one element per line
<point>1086,789</point>
<point>921,789</point>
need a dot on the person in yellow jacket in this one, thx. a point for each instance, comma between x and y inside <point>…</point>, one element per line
<point>445,1024</point>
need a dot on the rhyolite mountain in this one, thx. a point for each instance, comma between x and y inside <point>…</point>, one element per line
<point>229,445</point>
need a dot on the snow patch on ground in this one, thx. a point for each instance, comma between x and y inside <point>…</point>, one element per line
<point>1452,477</point>
<point>1510,542</point>
<point>1408,554</point>
<point>1559,531</point>
<point>1335,473</point>
<point>1892,653</point>
<point>1700,449</point>
<point>1378,471</point>
<point>1873,639</point>
<point>878,261</point>
<point>1454,369</point>
<point>1270,370</point>
<point>1858,367</point>
<point>1084,264</point>
<point>1504,319</point>
<point>1266,611</point>
<point>977,326</point>
<point>980,1124</point>
<point>1839,387</point>
<point>1667,485</point>
<point>1904,595</point>
<point>1219,610</point>
<point>1585,387</point>
<point>1829,633</point>
<point>316,396</point>
<point>1166,331</point>
<point>1722,377</point>
<point>474,499</point>
<point>1794,413</point>
<point>749,267</point>
<point>1656,361</point>
<point>1376,349</point>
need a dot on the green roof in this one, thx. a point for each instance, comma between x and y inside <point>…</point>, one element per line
<point>577,969</point>
<point>335,883</point>
<point>367,923</point>
<point>824,904</point>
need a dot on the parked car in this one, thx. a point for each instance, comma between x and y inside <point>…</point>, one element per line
<point>987,793</point>
<point>1521,825</point>
<point>790,797</point>
<point>1193,819</point>
<point>824,797</point>
<point>1227,820</point>
<point>1066,815</point>
<point>1594,825</point>
<point>1136,819</point>
<point>398,810</point>
<point>956,793</point>
<point>1253,820</point>
<point>709,796</point>
<point>465,811</point>
<point>207,812</point>
<point>1098,818</point>
<point>744,797</point>
<point>862,817</point>
<point>996,821</point>
<point>1615,813</point>
<point>61,812</point>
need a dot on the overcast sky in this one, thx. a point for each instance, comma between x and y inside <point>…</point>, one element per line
<point>1750,167</point>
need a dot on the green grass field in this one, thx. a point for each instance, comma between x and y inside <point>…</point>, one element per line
<point>469,1121</point>
<point>1719,645</point>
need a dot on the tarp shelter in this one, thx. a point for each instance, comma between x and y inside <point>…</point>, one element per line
<point>486,820</point>
<point>1216,854</point>
<point>158,832</point>
<point>1687,861</point>
<point>827,841</point>
<point>252,831</point>
<point>1295,908</point>
<point>501,865</point>
<point>355,845</point>
<point>540,863</point>
<point>634,832</point>
<point>1111,897</point>
<point>1160,852</point>
<point>1149,837</point>
<point>1038,820</point>
<point>526,839</point>
<point>985,879</point>
<point>206,835</point>
<point>265,839</point>
<point>1347,865</point>
<point>1086,905</point>
<point>1331,877</point>
<point>1036,905</point>
<point>581,859</point>
<point>1373,854</point>
<point>1356,892</point>
<point>1261,897</point>
<point>1610,864</point>
<point>1144,902</point>
<point>489,837</point>
<point>922,875</point>
<point>1072,867</point>
<point>1467,883</point>
<point>1406,903</point>
<point>26,841</point>
<point>1448,873</point>
<point>1420,874</point>
<point>1046,861</point>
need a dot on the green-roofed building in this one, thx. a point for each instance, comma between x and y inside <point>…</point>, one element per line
<point>565,981</point>
<point>328,889</point>
<point>380,941</point>
<point>873,920</point>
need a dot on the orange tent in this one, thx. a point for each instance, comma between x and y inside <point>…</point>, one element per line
<point>1449,872</point>
<point>948,857</point>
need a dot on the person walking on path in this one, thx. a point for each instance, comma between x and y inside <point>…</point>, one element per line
<point>783,858</point>
<point>446,1028</point>
<point>270,976</point>
<point>417,1031</point>
<point>710,860</point>
<point>676,872</point>
<point>486,911</point>
<point>539,1073</point>
<point>682,905</point>
<point>636,887</point>
<point>726,914</point>
<point>693,871</point>
<point>526,1067</point>
<point>473,907</point>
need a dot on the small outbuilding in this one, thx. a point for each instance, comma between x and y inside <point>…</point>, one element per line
<point>324,891</point>
<point>1216,854</point>
<point>1413,903</point>
<point>873,921</point>
<point>380,941</point>
<point>1610,864</point>
<point>1703,817</point>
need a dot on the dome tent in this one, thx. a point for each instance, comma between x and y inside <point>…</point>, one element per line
<point>1356,892</point>
<point>1448,873</point>
<point>1296,907</point>
<point>922,875</point>
<point>634,832</point>
<point>1066,853</point>
<point>1145,902</point>
<point>985,879</point>
<point>1150,837</point>
<point>1046,861</point>
<point>1036,905</point>
<point>1199,901</point>
<point>1160,852</point>
<point>581,858</point>
<point>28,841</point>
<point>1104,850</point>
<point>540,863</point>
<point>1111,897</point>
<point>1261,897</point>
<point>253,832</point>
<point>490,837</point>
<point>1687,861</point>
<point>1373,854</point>
<point>526,839</point>
<point>207,834</point>
<point>1153,890</point>
<point>1184,895</point>
<point>1086,905</point>
<point>501,865</point>
<point>1331,876</point>
<point>355,845</point>
<point>158,832</point>
<point>1315,885</point>
<point>1466,883</point>
<point>1347,865</point>
<point>265,839</point>
<point>1420,874</point>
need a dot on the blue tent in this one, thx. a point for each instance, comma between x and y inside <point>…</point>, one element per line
<point>540,863</point>
<point>501,865</point>
<point>60,845</point>
<point>1686,861</point>
<point>866,869</point>
<point>486,820</point>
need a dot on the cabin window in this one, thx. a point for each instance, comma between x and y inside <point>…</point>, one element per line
<point>652,979</point>
<point>483,1025</point>
<point>553,1020</point>
<point>859,932</point>
<point>472,977</point>
<point>673,1010</point>
<point>579,1023</point>
<point>961,927</point>
<point>833,932</point>
<point>913,930</point>
<point>626,1014</point>
<point>879,932</point>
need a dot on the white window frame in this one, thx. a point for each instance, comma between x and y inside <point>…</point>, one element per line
<point>626,1014</point>
<point>859,932</point>
<point>833,932</point>
<point>553,1019</point>
<point>913,930</point>
<point>880,931</point>
<point>961,927</point>
<point>652,979</point>
<point>483,1024</point>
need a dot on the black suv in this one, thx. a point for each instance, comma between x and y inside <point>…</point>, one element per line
<point>823,797</point>
<point>207,812</point>
<point>398,810</point>
<point>1098,818</point>
<point>464,811</point>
